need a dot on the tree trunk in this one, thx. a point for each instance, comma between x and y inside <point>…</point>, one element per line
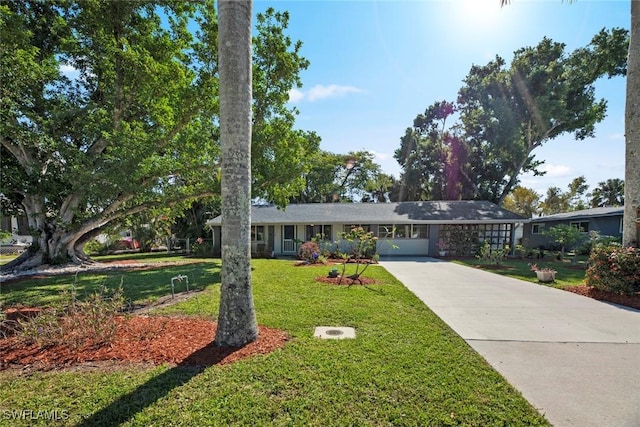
<point>237,323</point>
<point>632,135</point>
<point>54,245</point>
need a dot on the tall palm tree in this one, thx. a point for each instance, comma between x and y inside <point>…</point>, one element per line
<point>631,217</point>
<point>608,193</point>
<point>237,323</point>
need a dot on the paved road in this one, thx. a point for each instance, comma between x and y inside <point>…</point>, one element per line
<point>574,358</point>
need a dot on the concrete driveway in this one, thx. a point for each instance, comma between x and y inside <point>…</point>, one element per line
<point>575,359</point>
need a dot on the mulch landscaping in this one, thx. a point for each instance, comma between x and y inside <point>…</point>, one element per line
<point>346,281</point>
<point>632,301</point>
<point>155,340</point>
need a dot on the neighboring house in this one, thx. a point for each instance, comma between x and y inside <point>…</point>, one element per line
<point>414,227</point>
<point>606,221</point>
<point>20,238</point>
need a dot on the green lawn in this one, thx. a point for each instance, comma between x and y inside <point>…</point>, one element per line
<point>139,286</point>
<point>567,273</point>
<point>405,368</point>
<point>6,258</point>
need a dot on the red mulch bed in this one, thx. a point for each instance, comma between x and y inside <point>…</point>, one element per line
<point>632,301</point>
<point>142,339</point>
<point>346,281</point>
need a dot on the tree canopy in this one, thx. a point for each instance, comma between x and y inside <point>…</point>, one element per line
<point>343,178</point>
<point>523,201</point>
<point>608,193</point>
<point>504,113</point>
<point>109,109</point>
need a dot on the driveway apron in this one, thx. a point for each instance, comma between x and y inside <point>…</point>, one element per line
<point>575,359</point>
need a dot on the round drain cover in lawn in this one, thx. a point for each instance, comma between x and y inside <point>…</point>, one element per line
<point>334,332</point>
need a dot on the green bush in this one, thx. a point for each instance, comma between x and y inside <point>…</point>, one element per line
<point>202,248</point>
<point>614,269</point>
<point>491,256</point>
<point>94,247</point>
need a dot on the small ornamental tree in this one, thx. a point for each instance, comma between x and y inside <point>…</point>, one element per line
<point>362,244</point>
<point>614,269</point>
<point>565,235</point>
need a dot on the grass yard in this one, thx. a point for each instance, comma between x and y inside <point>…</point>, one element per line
<point>405,368</point>
<point>140,286</point>
<point>567,274</point>
<point>6,258</point>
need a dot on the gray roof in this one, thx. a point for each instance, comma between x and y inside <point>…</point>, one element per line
<point>583,214</point>
<point>429,212</point>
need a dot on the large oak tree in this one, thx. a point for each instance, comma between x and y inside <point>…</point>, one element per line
<point>108,109</point>
<point>506,111</point>
<point>631,219</point>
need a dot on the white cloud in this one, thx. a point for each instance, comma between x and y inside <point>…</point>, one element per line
<point>319,92</point>
<point>68,69</point>
<point>295,95</point>
<point>556,171</point>
<point>381,156</point>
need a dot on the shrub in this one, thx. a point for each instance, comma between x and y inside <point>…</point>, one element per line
<point>324,245</point>
<point>614,269</point>
<point>202,248</point>
<point>94,247</point>
<point>491,256</point>
<point>75,323</point>
<point>310,252</point>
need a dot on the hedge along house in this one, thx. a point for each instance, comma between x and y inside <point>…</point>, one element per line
<point>414,228</point>
<point>607,221</point>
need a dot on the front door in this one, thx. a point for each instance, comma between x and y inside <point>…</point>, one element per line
<point>289,239</point>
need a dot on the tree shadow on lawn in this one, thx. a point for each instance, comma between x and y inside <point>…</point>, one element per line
<point>138,284</point>
<point>127,406</point>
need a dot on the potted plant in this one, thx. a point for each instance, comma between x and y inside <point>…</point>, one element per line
<point>442,247</point>
<point>544,274</point>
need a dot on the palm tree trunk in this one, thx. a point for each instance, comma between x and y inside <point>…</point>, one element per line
<point>632,134</point>
<point>237,324</point>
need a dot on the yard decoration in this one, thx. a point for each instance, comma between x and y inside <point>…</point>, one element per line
<point>544,274</point>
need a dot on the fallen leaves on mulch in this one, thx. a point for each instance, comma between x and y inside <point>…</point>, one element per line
<point>632,301</point>
<point>180,341</point>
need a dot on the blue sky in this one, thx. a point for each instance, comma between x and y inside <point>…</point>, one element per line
<point>375,65</point>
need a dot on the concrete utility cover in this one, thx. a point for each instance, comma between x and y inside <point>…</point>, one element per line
<point>334,332</point>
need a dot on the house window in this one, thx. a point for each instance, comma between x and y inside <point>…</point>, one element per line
<point>385,231</point>
<point>313,231</point>
<point>583,226</point>
<point>402,231</point>
<point>257,233</point>
<point>348,227</point>
<point>419,231</point>
<point>537,228</point>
